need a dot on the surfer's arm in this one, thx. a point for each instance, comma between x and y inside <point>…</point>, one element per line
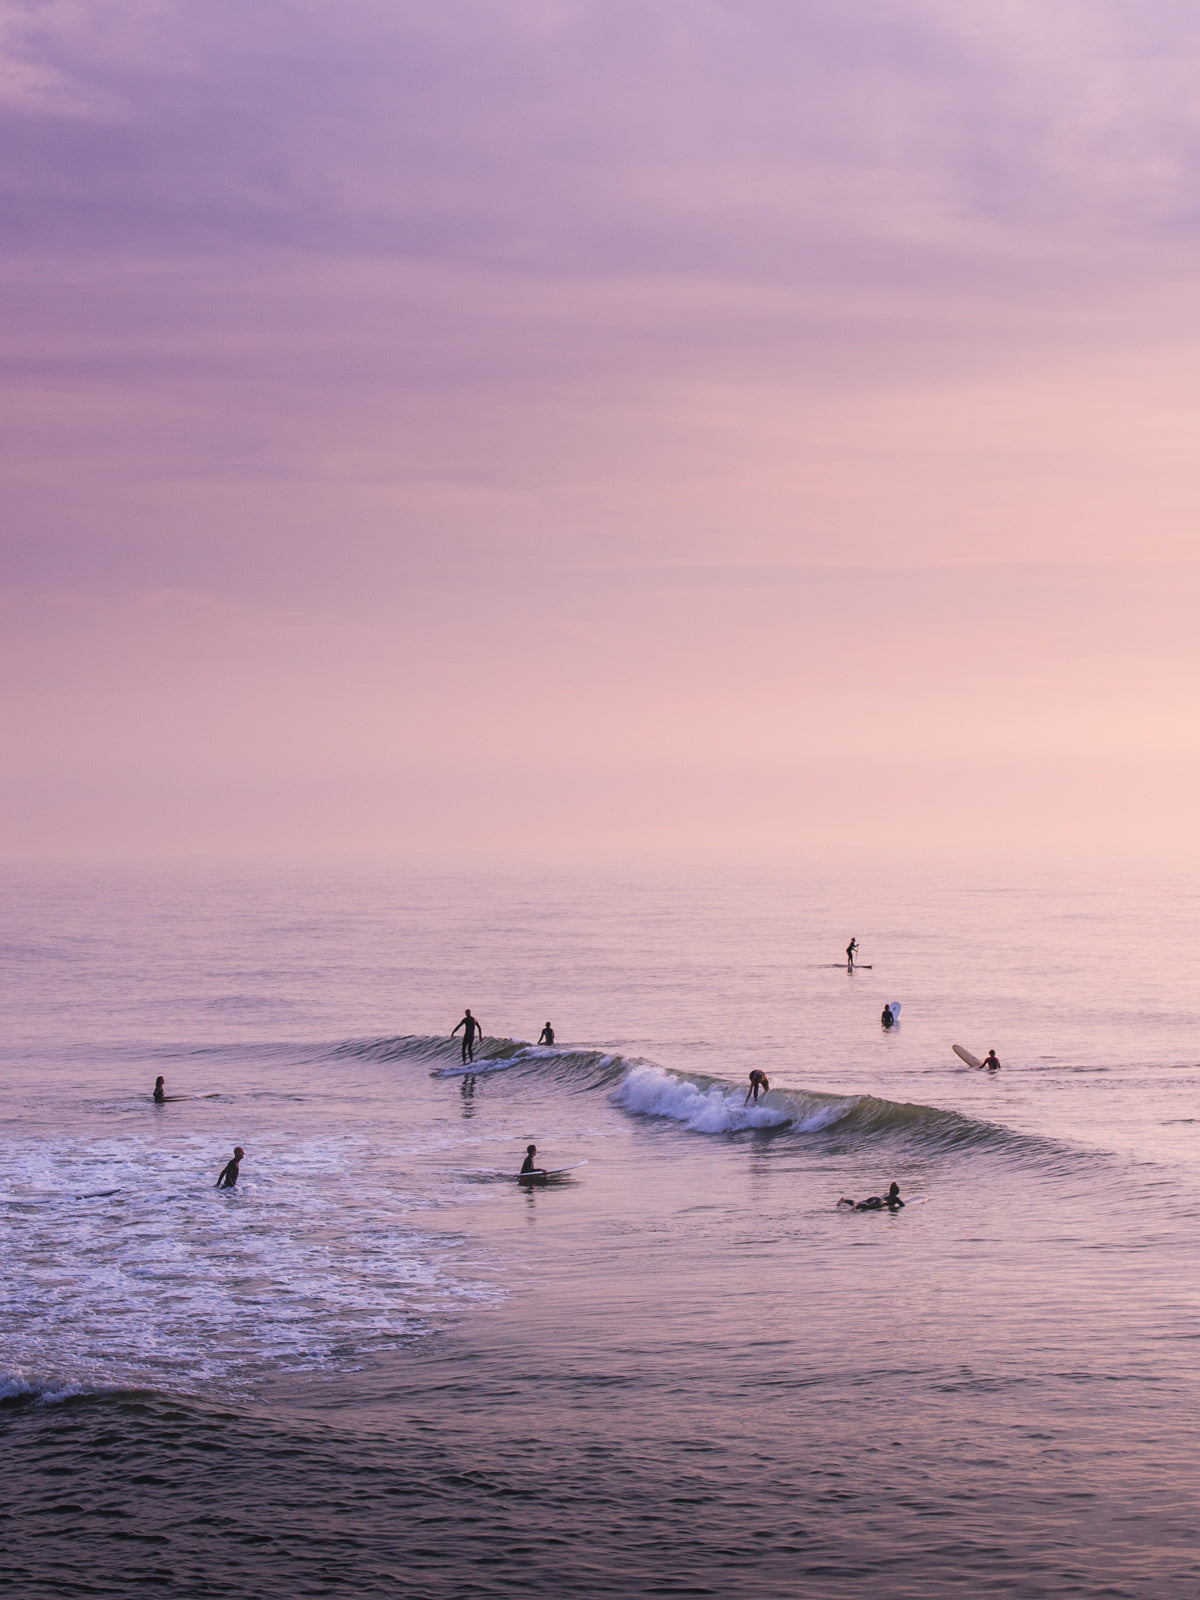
<point>456,1027</point>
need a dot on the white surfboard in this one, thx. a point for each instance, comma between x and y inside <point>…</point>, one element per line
<point>965,1055</point>
<point>549,1172</point>
<point>894,1007</point>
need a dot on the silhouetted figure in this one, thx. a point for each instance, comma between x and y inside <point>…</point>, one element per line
<point>470,1028</point>
<point>890,1201</point>
<point>528,1170</point>
<point>229,1172</point>
<point>851,952</point>
<point>160,1092</point>
<point>990,1062</point>
<point>887,1018</point>
<point>547,1035</point>
<point>759,1084</point>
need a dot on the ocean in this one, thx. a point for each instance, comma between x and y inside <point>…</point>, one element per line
<point>381,1367</point>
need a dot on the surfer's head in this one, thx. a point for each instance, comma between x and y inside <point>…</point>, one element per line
<point>238,1152</point>
<point>531,1149</point>
<point>894,1192</point>
<point>158,1082</point>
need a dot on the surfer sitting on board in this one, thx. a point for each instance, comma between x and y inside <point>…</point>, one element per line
<point>229,1172</point>
<point>891,1201</point>
<point>528,1170</point>
<point>990,1063</point>
<point>547,1035</point>
<point>470,1028</point>
<point>160,1091</point>
<point>758,1082</point>
<point>851,952</point>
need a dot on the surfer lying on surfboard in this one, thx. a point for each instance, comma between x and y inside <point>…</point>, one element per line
<point>891,1201</point>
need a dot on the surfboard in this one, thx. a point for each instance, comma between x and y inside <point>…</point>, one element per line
<point>965,1055</point>
<point>549,1172</point>
<point>894,1007</point>
<point>215,1095</point>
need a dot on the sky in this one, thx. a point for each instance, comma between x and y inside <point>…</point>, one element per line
<point>550,428</point>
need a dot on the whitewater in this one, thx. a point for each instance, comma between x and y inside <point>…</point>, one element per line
<point>380,1366</point>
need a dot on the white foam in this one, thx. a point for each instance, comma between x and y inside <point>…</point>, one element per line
<point>167,1282</point>
<point>653,1092</point>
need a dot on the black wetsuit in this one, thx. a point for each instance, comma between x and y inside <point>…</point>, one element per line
<point>159,1096</point>
<point>547,1035</point>
<point>470,1027</point>
<point>229,1174</point>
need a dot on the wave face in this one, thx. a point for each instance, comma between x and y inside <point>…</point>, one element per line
<point>709,1105</point>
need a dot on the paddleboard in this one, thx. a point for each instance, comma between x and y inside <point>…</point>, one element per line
<point>965,1055</point>
<point>215,1095</point>
<point>550,1172</point>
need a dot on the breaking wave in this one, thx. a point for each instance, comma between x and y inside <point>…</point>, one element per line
<point>710,1105</point>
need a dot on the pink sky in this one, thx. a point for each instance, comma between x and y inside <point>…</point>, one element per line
<point>536,426</point>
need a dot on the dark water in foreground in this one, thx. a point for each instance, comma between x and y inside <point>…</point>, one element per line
<point>379,1367</point>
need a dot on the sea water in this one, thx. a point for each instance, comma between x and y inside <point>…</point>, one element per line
<point>380,1366</point>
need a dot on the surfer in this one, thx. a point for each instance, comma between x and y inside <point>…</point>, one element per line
<point>888,1019</point>
<point>890,1201</point>
<point>851,952</point>
<point>547,1035</point>
<point>528,1170</point>
<point>229,1172</point>
<point>470,1027</point>
<point>990,1062</point>
<point>758,1082</point>
<point>160,1091</point>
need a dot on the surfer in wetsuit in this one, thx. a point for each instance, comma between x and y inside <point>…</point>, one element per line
<point>758,1082</point>
<point>470,1028</point>
<point>890,1201</point>
<point>851,952</point>
<point>229,1172</point>
<point>547,1035</point>
<point>160,1093</point>
<point>990,1062</point>
<point>528,1170</point>
<point>887,1018</point>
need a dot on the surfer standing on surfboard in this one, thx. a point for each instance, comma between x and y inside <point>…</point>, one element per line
<point>470,1028</point>
<point>851,952</point>
<point>758,1081</point>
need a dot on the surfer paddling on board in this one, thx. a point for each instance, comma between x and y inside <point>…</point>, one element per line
<point>759,1083</point>
<point>890,1201</point>
<point>160,1091</point>
<point>229,1172</point>
<point>528,1170</point>
<point>470,1027</point>
<point>547,1035</point>
<point>851,952</point>
<point>990,1062</point>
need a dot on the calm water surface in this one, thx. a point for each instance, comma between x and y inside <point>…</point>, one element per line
<point>380,1367</point>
